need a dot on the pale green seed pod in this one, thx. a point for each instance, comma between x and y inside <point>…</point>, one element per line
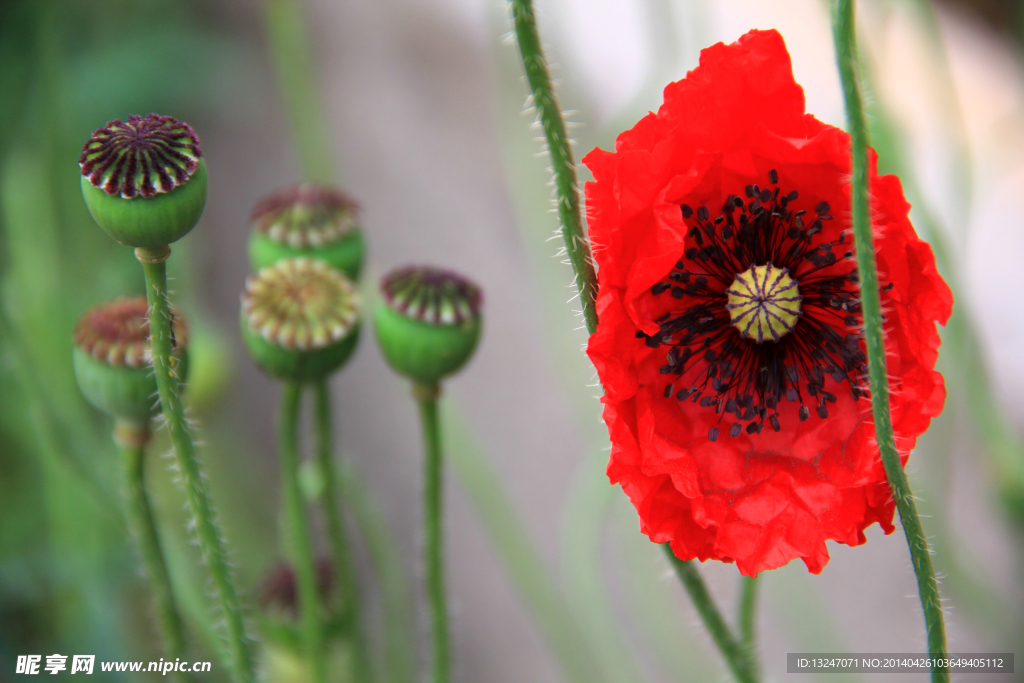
<point>300,319</point>
<point>427,322</point>
<point>112,359</point>
<point>308,220</point>
<point>144,180</point>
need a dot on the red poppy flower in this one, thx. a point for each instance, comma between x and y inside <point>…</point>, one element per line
<point>729,340</point>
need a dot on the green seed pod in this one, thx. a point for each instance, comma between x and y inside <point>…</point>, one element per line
<point>428,322</point>
<point>300,319</point>
<point>112,359</point>
<point>307,220</point>
<point>144,180</point>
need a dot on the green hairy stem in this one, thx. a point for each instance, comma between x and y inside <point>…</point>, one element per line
<point>433,530</point>
<point>736,656</point>
<point>211,544</point>
<point>550,117</point>
<point>297,541</point>
<point>337,536</point>
<point>920,555</point>
<point>578,249</point>
<point>142,523</point>
<point>747,621</point>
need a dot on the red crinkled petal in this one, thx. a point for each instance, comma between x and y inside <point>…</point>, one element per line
<point>762,499</point>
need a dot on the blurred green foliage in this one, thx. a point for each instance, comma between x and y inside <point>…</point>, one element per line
<point>68,577</point>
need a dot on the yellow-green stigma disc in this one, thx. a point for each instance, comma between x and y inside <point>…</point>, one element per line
<point>764,303</point>
<point>300,319</point>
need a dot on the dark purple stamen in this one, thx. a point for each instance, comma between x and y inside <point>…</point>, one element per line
<point>737,376</point>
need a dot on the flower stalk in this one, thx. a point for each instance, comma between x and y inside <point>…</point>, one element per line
<point>299,544</point>
<point>337,536</point>
<point>928,587</point>
<point>427,324</point>
<point>747,621</point>
<point>132,438</point>
<point>290,49</point>
<point>210,541</point>
<point>562,164</point>
<point>578,249</point>
<point>433,531</point>
<point>737,657</point>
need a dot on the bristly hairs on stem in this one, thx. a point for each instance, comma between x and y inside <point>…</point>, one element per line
<point>207,529</point>
<point>560,151</point>
<point>151,553</point>
<point>577,246</point>
<point>844,30</point>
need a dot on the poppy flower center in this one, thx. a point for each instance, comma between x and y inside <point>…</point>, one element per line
<point>764,302</point>
<point>141,156</point>
<point>762,311</point>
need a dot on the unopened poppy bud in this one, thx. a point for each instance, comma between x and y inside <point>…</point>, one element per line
<point>427,322</point>
<point>307,220</point>
<point>279,593</point>
<point>112,359</point>
<point>300,319</point>
<point>144,180</point>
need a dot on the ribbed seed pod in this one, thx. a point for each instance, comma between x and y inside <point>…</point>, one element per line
<point>307,220</point>
<point>300,319</point>
<point>427,322</point>
<point>144,179</point>
<point>112,359</point>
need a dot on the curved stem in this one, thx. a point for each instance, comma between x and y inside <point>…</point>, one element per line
<point>211,544</point>
<point>747,622</point>
<point>298,542</point>
<point>928,587</point>
<point>562,164</point>
<point>132,440</point>
<point>433,537</point>
<point>736,657</point>
<point>578,249</point>
<point>337,536</point>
